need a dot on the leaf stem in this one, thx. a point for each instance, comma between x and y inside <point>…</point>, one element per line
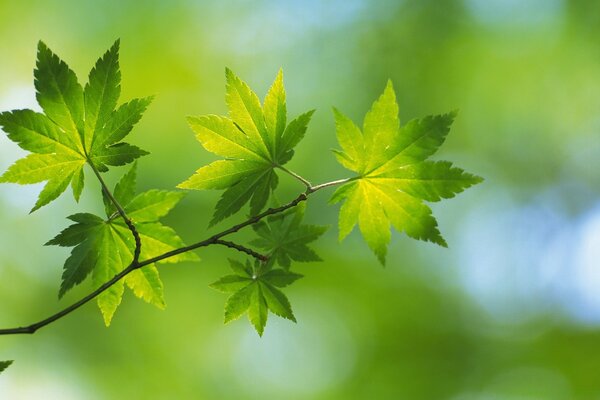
<point>313,189</point>
<point>295,175</point>
<point>215,239</point>
<point>121,211</point>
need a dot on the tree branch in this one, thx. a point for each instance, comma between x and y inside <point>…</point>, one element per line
<point>235,246</point>
<point>215,239</point>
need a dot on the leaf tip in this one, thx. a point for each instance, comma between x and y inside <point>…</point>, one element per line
<point>450,116</point>
<point>107,316</point>
<point>41,46</point>
<point>5,364</point>
<point>381,257</point>
<point>229,74</point>
<point>279,77</point>
<point>389,85</point>
<point>259,330</point>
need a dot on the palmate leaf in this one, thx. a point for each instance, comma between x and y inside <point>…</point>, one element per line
<point>393,176</point>
<point>284,238</point>
<point>254,140</point>
<point>104,247</point>
<point>78,125</point>
<point>255,290</point>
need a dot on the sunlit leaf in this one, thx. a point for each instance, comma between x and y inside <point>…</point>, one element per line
<point>254,140</point>
<point>393,177</point>
<point>78,125</point>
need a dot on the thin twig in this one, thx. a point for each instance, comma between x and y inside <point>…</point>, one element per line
<point>215,239</point>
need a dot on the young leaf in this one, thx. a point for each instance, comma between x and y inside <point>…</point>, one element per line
<point>103,248</point>
<point>254,140</point>
<point>393,176</point>
<point>285,238</point>
<point>77,127</point>
<point>254,291</point>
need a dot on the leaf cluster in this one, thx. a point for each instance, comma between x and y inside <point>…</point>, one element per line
<point>392,179</point>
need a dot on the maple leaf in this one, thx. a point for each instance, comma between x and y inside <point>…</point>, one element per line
<point>285,238</point>
<point>254,139</point>
<point>78,125</point>
<point>394,177</point>
<point>105,247</point>
<point>254,290</point>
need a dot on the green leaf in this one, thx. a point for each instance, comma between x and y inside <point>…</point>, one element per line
<point>238,303</point>
<point>102,92</point>
<point>103,248</point>
<point>280,277</point>
<point>239,194</point>
<point>244,270</point>
<point>292,135</point>
<point>120,123</point>
<point>275,112</point>
<point>144,282</point>
<point>393,176</point>
<point>254,140</point>
<point>37,133</point>
<point>77,126</point>
<point>259,309</point>
<point>77,183</point>
<point>78,232</point>
<point>158,239</point>
<point>277,302</point>
<point>254,290</point>
<point>231,283</point>
<point>124,191</point>
<point>117,155</point>
<point>285,238</point>
<point>245,110</point>
<point>111,257</point>
<point>152,205</point>
<point>59,94</point>
<point>5,364</point>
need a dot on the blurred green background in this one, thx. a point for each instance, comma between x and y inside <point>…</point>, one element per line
<point>510,311</point>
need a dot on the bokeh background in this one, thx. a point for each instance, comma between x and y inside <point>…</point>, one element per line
<point>510,311</point>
